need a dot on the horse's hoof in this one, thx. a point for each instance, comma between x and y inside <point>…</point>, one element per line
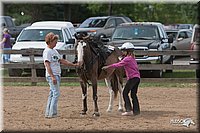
<point>96,114</point>
<point>83,113</point>
<point>120,110</point>
<point>109,110</point>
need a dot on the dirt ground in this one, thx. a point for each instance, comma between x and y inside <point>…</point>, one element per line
<point>162,109</point>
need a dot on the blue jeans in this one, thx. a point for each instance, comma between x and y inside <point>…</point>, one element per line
<point>51,109</point>
<point>6,57</point>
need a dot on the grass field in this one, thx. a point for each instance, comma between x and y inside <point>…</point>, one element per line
<point>174,74</point>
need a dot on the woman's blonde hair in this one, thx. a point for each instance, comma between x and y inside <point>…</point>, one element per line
<point>51,37</point>
<point>5,30</point>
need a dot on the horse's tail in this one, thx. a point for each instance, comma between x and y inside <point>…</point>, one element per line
<point>114,84</point>
<point>117,80</point>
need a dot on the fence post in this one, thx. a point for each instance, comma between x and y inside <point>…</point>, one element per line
<point>33,69</point>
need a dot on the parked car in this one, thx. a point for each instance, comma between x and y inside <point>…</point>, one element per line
<point>34,37</point>
<point>7,22</point>
<point>184,26</point>
<point>182,38</point>
<point>195,42</point>
<point>104,25</point>
<point>145,36</point>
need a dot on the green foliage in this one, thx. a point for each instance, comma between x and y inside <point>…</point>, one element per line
<point>166,13</point>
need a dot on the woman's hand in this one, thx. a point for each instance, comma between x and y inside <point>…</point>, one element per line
<point>53,78</point>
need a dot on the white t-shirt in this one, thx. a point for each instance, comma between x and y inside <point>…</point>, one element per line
<point>53,57</point>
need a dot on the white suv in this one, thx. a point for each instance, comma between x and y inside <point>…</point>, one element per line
<point>34,37</point>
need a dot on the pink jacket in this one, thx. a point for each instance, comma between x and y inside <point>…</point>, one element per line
<point>130,65</point>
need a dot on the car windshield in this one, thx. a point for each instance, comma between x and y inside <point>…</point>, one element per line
<point>38,35</point>
<point>92,22</point>
<point>136,32</point>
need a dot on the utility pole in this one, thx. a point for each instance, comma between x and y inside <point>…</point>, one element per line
<point>110,8</point>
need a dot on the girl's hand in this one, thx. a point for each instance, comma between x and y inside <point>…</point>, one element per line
<point>105,67</point>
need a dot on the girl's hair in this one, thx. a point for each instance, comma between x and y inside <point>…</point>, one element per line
<point>130,53</point>
<point>50,37</point>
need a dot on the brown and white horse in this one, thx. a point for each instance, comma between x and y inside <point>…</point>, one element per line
<point>90,71</point>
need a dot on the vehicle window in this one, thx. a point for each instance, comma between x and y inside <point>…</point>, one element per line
<point>127,19</point>
<point>111,23</point>
<point>173,34</point>
<point>162,33</point>
<point>67,34</point>
<point>38,35</point>
<point>72,30</point>
<point>9,23</point>
<point>182,35</point>
<point>136,32</point>
<point>189,34</point>
<point>184,26</point>
<point>119,21</point>
<point>93,23</point>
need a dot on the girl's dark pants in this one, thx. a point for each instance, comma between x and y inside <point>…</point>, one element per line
<point>132,85</point>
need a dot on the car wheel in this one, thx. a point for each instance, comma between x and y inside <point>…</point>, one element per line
<point>14,72</point>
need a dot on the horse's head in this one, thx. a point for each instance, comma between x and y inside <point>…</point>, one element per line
<point>80,52</point>
<point>81,45</point>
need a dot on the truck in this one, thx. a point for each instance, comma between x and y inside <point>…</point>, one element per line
<point>34,37</point>
<point>7,22</point>
<point>147,36</point>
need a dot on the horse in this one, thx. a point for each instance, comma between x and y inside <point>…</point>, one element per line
<point>90,71</point>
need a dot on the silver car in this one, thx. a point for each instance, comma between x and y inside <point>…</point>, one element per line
<point>182,38</point>
<point>103,25</point>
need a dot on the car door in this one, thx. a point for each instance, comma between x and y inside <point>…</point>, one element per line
<point>188,40</point>
<point>109,27</point>
<point>182,42</point>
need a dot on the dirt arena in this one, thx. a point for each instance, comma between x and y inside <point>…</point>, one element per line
<point>162,109</point>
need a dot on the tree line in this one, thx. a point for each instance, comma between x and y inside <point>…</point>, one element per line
<point>166,13</point>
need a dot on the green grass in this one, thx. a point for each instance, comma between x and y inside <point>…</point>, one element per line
<point>175,74</point>
<point>167,85</point>
<point>180,74</point>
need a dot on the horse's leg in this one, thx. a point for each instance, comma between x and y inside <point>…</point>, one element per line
<point>120,86</point>
<point>111,92</point>
<point>84,97</point>
<point>95,97</point>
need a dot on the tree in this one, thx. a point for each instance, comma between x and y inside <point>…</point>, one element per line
<point>166,13</point>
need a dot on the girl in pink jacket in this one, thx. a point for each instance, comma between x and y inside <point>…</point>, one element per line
<point>133,79</point>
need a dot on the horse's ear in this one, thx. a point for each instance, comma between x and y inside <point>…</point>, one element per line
<point>84,34</point>
<point>76,35</point>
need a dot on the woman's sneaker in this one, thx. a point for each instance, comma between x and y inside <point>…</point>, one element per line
<point>127,113</point>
